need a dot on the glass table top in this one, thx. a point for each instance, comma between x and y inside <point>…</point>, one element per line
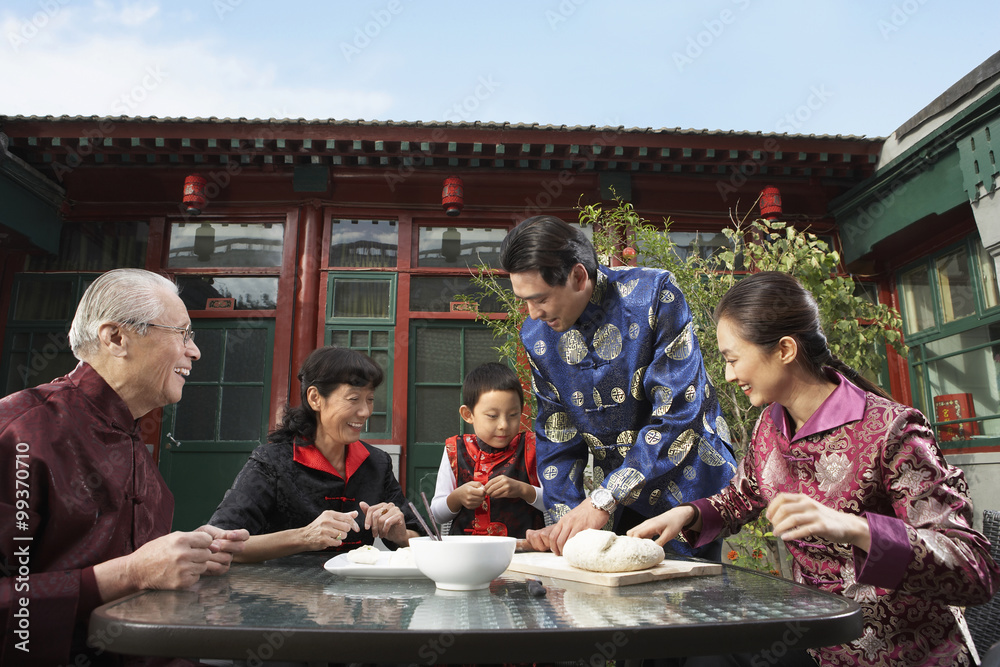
<point>298,595</point>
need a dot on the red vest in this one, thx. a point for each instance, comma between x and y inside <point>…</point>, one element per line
<point>473,462</point>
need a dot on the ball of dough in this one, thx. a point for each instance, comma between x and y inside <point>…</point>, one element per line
<point>603,551</point>
<point>401,557</point>
<point>366,555</point>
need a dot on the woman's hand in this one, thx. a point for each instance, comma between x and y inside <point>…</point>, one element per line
<point>470,496</point>
<point>387,521</point>
<point>796,516</point>
<point>666,526</point>
<point>327,530</point>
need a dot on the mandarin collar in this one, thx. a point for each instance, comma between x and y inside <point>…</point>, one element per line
<point>494,450</point>
<point>106,401</point>
<point>595,313</point>
<point>305,452</point>
<point>844,405</point>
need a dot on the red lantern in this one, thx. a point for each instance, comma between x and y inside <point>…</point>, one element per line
<point>452,196</point>
<point>770,203</point>
<point>194,194</point>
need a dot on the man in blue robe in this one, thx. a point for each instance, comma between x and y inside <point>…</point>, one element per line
<point>618,373</point>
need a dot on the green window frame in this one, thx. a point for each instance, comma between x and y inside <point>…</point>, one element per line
<point>953,362</point>
<point>36,349</point>
<point>435,392</point>
<point>379,344</point>
<point>376,312</point>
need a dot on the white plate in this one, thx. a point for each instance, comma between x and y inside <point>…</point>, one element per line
<point>341,565</point>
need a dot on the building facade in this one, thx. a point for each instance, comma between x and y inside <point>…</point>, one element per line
<point>926,225</point>
<point>333,232</point>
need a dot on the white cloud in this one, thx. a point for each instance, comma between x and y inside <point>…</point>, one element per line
<point>137,13</point>
<point>60,68</point>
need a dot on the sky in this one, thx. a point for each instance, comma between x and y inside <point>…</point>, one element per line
<point>852,67</point>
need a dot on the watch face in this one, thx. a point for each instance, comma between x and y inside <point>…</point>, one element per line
<point>602,499</point>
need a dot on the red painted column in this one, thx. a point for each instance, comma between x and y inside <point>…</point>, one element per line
<point>307,306</point>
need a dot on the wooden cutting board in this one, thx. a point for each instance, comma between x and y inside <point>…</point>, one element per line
<point>549,565</point>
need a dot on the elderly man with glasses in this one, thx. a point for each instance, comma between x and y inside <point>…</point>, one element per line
<point>84,513</point>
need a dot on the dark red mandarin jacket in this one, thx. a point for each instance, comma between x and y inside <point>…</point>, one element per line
<point>77,487</point>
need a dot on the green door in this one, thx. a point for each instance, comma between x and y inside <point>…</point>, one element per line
<point>441,353</point>
<point>206,437</point>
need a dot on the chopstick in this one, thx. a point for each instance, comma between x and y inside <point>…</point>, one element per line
<point>430,516</point>
<point>423,524</point>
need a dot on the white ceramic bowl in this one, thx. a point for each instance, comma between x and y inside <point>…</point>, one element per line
<point>463,562</point>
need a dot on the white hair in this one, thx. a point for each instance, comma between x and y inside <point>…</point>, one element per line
<point>131,297</point>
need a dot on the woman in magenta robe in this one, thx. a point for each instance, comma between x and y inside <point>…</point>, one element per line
<point>853,482</point>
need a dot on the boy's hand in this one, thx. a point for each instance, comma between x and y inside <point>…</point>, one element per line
<point>502,486</point>
<point>470,495</point>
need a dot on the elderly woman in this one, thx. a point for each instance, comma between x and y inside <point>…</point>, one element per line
<point>315,485</point>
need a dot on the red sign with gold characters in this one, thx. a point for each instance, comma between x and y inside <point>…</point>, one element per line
<point>949,407</point>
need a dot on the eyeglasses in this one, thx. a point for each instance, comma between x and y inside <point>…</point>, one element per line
<point>187,331</point>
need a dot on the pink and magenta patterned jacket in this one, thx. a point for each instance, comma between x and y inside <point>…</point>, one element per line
<point>866,455</point>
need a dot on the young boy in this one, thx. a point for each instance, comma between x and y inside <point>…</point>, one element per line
<point>487,483</point>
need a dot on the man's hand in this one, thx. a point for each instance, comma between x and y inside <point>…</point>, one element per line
<point>581,517</point>
<point>225,544</point>
<point>470,496</point>
<point>538,540</point>
<point>502,486</point>
<point>176,560</point>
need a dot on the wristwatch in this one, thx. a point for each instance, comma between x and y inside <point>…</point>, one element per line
<point>602,499</point>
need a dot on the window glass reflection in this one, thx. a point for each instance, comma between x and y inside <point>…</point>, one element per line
<point>436,293</point>
<point>988,274</point>
<point>221,244</point>
<point>459,247</point>
<point>359,242</point>
<point>42,299</point>
<point>249,293</point>
<point>963,382</point>
<point>95,246</point>
<point>955,285</point>
<point>915,293</point>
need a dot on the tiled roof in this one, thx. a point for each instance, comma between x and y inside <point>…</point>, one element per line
<point>475,125</point>
<point>49,141</point>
